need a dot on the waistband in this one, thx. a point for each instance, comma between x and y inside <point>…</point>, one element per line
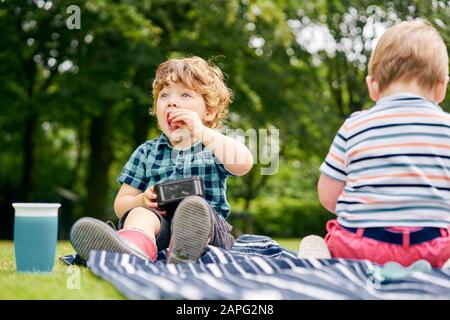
<point>401,238</point>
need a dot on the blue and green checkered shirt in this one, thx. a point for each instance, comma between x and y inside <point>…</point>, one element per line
<point>155,161</point>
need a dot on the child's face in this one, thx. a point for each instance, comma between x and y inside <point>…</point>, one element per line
<point>173,96</point>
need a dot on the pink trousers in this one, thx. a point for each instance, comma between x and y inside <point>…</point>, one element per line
<point>345,244</point>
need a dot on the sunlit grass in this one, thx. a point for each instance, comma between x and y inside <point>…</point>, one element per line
<point>289,243</point>
<point>62,283</point>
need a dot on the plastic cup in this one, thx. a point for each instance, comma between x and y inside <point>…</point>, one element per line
<point>35,236</point>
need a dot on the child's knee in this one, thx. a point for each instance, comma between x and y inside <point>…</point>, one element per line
<point>143,215</point>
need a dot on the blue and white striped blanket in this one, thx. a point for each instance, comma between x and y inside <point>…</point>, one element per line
<point>259,268</point>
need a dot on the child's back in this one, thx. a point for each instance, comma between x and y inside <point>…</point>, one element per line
<point>395,161</point>
<point>386,175</point>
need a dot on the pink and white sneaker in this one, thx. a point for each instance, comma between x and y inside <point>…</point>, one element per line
<point>89,234</point>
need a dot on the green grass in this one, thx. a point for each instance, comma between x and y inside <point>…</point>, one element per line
<point>73,283</point>
<point>60,284</point>
<point>291,243</point>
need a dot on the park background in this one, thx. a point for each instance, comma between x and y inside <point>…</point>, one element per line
<point>74,102</point>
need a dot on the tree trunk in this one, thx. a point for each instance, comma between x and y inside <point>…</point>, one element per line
<point>248,195</point>
<point>29,135</point>
<point>254,186</point>
<point>67,219</point>
<point>142,123</point>
<point>100,159</point>
<point>28,146</point>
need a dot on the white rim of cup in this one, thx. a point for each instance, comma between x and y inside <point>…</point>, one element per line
<point>35,205</point>
<point>30,209</point>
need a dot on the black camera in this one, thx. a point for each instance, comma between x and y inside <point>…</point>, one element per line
<point>169,194</point>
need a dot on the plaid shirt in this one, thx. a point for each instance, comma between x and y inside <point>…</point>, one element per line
<point>155,161</point>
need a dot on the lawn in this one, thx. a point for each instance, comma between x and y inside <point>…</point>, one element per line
<point>61,284</point>
<point>73,283</point>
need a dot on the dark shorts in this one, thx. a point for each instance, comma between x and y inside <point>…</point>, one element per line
<point>221,233</point>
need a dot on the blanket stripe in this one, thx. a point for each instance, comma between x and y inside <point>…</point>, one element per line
<point>259,268</point>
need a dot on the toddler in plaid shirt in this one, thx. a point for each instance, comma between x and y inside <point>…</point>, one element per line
<point>190,101</point>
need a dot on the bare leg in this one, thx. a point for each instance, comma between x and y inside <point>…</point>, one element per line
<point>143,219</point>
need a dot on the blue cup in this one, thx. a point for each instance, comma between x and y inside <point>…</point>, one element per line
<point>35,236</point>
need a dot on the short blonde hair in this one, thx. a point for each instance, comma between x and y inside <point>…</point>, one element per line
<point>200,76</point>
<point>410,50</point>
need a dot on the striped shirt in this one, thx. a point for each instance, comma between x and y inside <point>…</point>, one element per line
<point>155,161</point>
<point>395,162</point>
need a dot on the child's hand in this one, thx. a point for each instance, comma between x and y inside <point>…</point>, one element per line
<point>150,200</point>
<point>187,119</point>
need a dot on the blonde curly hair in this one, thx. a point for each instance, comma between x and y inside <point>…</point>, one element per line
<point>198,75</point>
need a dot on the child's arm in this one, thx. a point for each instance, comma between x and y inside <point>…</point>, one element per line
<point>235,156</point>
<point>329,190</point>
<point>129,197</point>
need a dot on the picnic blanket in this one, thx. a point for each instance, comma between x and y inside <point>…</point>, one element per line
<point>259,268</point>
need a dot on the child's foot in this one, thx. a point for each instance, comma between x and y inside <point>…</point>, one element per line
<point>313,247</point>
<point>191,230</point>
<point>89,234</point>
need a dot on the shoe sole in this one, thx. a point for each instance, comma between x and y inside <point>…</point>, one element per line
<point>88,234</point>
<point>192,224</point>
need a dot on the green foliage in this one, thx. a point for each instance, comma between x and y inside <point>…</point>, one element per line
<point>74,103</point>
<point>290,217</point>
